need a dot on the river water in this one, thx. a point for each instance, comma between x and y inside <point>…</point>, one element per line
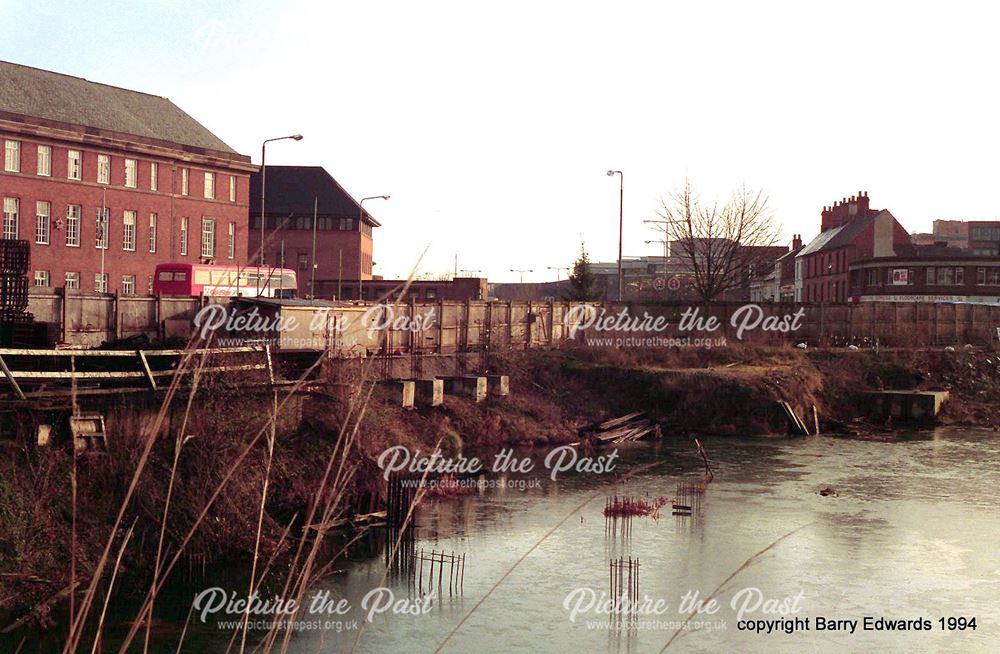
<point>910,533</point>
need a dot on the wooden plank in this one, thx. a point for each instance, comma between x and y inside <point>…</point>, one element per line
<point>123,353</point>
<point>145,366</point>
<point>11,380</point>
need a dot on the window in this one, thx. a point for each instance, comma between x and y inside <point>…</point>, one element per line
<point>73,164</point>
<point>231,249</point>
<point>185,180</point>
<point>103,169</point>
<point>431,294</point>
<point>232,188</point>
<point>303,262</point>
<point>945,276</point>
<point>128,235</point>
<point>131,172</point>
<point>12,157</point>
<point>980,276</point>
<point>44,160</point>
<point>153,175</point>
<point>10,212</point>
<point>128,284</point>
<point>41,278</point>
<point>872,277</point>
<point>73,225</point>
<point>208,237</point>
<point>149,285</point>
<point>72,280</point>
<point>101,227</point>
<point>210,186</point>
<point>959,276</point>
<point>152,232</point>
<point>101,282</point>
<point>43,210</point>
<point>346,224</point>
<point>184,237</point>
<point>931,275</point>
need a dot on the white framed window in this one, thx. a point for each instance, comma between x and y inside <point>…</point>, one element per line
<point>101,282</point>
<point>184,237</point>
<point>41,278</point>
<point>232,188</point>
<point>73,212</point>
<point>72,280</point>
<point>152,232</point>
<point>149,285</point>
<point>209,186</point>
<point>103,169</point>
<point>74,164</point>
<point>185,181</point>
<point>101,227</point>
<point>128,235</point>
<point>231,245</point>
<point>208,238</point>
<point>128,284</point>
<point>154,173</point>
<point>43,213</point>
<point>131,173</point>
<point>44,167</point>
<point>12,157</point>
<point>11,208</point>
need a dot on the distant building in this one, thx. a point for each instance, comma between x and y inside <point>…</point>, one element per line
<point>530,291</point>
<point>784,273</point>
<point>458,289</point>
<point>91,169</point>
<point>850,230</point>
<point>343,233</point>
<point>933,273</point>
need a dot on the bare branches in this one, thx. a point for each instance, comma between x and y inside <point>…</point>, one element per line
<point>722,246</point>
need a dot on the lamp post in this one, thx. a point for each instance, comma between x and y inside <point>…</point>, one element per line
<point>361,220</point>
<point>263,188</point>
<point>621,203</point>
<point>559,270</point>
<point>521,271</point>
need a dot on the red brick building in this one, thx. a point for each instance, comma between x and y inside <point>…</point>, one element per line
<point>850,230</point>
<point>343,233</point>
<point>75,149</point>
<point>932,273</point>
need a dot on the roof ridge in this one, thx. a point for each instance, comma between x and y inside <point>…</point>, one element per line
<point>84,79</point>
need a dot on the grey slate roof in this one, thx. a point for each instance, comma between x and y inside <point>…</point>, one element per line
<point>838,237</point>
<point>43,94</point>
<point>291,191</point>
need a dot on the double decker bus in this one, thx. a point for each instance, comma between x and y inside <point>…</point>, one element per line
<point>212,280</point>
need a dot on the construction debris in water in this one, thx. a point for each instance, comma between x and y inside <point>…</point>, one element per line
<point>623,576</point>
<point>438,560</point>
<point>630,427</point>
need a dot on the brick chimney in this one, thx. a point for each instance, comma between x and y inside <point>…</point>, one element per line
<point>844,211</point>
<point>796,241</point>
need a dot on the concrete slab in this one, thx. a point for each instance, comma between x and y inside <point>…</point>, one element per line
<point>905,405</point>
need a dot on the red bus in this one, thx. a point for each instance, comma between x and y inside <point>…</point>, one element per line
<point>199,279</point>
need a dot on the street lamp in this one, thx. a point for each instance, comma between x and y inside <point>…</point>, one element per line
<point>521,271</point>
<point>559,270</point>
<point>263,187</point>
<point>621,203</point>
<point>361,220</point>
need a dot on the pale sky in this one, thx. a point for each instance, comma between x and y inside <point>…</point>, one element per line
<point>492,125</point>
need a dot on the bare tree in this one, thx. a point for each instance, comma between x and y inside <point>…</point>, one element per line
<point>722,246</point>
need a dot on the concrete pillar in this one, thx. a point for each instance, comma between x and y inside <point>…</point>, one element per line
<point>429,392</point>
<point>403,391</point>
<point>469,386</point>
<point>498,385</point>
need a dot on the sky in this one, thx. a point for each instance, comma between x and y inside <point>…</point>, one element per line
<point>492,125</point>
